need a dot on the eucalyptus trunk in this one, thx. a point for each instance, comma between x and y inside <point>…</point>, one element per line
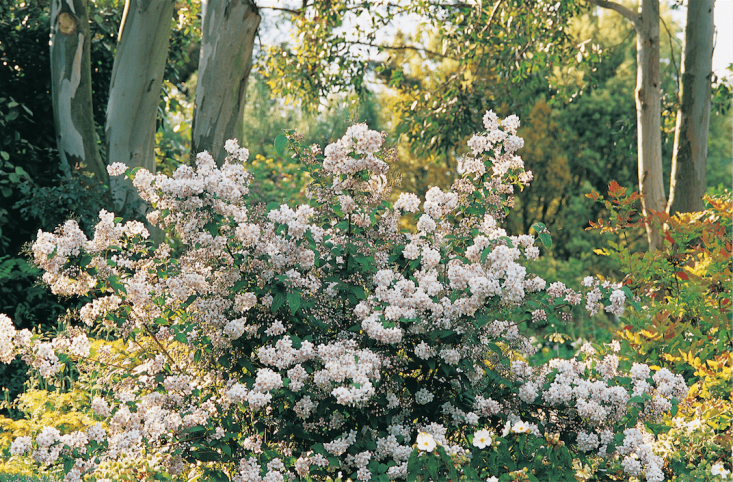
<point>71,88</point>
<point>648,108</point>
<point>689,161</point>
<point>228,34</point>
<point>134,96</point>
<point>649,116</point>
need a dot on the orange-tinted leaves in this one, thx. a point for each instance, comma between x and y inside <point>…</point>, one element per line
<point>615,190</point>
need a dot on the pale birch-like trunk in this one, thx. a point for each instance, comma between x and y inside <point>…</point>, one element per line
<point>134,95</point>
<point>71,88</point>
<point>228,33</point>
<point>649,116</point>
<point>648,108</point>
<point>689,161</point>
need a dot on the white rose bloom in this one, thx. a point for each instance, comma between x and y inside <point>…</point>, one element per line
<point>426,442</point>
<point>482,439</point>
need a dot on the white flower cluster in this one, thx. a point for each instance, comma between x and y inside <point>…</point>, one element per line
<point>639,457</point>
<point>502,143</point>
<point>341,444</point>
<point>438,203</point>
<point>423,396</point>
<point>408,202</point>
<point>599,403</point>
<point>116,169</point>
<point>11,339</point>
<point>241,154</point>
<point>99,308</point>
<point>355,152</point>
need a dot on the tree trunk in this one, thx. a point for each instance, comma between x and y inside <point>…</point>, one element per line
<point>649,115</point>
<point>228,32</point>
<point>687,183</point>
<point>134,95</point>
<point>71,88</point>
<point>648,108</point>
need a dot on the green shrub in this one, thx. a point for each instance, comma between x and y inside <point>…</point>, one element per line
<point>683,321</point>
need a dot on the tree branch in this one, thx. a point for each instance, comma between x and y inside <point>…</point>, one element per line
<point>671,55</point>
<point>282,9</point>
<point>399,47</point>
<point>487,28</point>
<point>631,16</point>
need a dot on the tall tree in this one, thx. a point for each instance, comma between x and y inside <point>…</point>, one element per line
<point>137,79</point>
<point>229,28</point>
<point>688,167</point>
<point>648,107</point>
<point>71,87</point>
<point>227,40</point>
<point>689,161</point>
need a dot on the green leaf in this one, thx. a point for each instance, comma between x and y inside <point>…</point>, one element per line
<point>277,302</point>
<point>212,228</point>
<point>433,467</point>
<point>116,285</point>
<point>5,155</point>
<point>674,409</point>
<point>281,142</point>
<point>539,227</point>
<point>546,240</point>
<point>413,466</point>
<point>294,301</point>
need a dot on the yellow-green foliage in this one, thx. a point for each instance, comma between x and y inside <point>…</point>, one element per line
<point>131,469</point>
<point>67,409</point>
<point>42,408</point>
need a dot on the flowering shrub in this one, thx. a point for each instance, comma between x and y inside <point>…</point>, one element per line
<point>286,343</point>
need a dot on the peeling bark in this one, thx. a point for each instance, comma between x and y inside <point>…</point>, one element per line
<point>228,33</point>
<point>137,80</point>
<point>689,161</point>
<point>71,88</point>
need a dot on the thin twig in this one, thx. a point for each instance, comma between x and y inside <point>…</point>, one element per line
<point>170,358</point>
<point>120,367</point>
<point>286,10</point>
<point>671,48</point>
<point>398,47</point>
<point>487,28</point>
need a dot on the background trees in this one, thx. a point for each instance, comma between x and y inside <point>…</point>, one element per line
<point>685,190</point>
<point>575,69</point>
<point>568,71</point>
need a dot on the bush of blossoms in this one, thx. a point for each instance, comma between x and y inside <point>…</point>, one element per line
<point>301,343</point>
